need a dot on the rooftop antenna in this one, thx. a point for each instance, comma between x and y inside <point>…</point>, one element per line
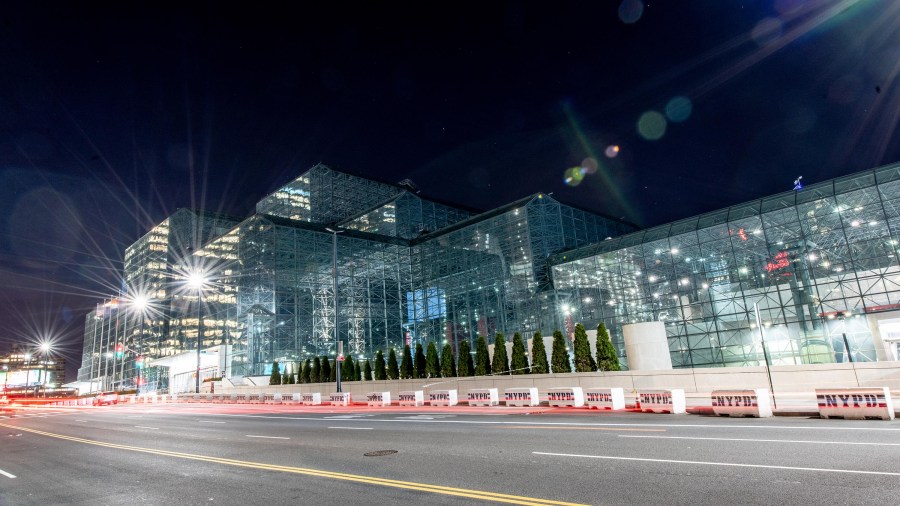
<point>798,183</point>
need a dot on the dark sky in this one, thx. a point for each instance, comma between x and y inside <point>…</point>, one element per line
<point>112,115</point>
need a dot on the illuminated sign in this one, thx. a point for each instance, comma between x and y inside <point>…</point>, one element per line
<point>779,262</point>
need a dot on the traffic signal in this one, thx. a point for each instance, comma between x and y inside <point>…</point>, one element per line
<point>120,350</point>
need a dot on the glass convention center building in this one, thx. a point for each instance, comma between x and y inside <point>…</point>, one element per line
<point>334,256</point>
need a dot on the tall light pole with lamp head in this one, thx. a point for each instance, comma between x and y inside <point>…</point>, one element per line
<point>140,304</point>
<point>196,280</point>
<point>45,352</point>
<point>334,279</point>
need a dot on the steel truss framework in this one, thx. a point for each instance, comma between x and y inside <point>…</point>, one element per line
<point>816,263</point>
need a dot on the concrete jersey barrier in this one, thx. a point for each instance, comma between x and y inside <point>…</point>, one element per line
<point>443,398</point>
<point>378,398</point>
<point>566,397</point>
<point>855,403</point>
<point>756,403</point>
<point>662,401</point>
<point>521,397</point>
<point>483,397</point>
<point>412,398</point>
<point>605,398</point>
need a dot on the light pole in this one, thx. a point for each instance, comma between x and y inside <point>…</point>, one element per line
<point>197,280</point>
<point>334,279</point>
<point>140,304</point>
<point>27,370</point>
<point>45,352</point>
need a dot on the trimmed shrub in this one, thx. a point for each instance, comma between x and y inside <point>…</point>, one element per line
<point>333,376</point>
<point>326,370</point>
<point>421,364</point>
<point>406,365</point>
<point>482,360</point>
<point>500,363</point>
<point>285,377</point>
<point>348,370</point>
<point>559,358</point>
<point>317,371</point>
<point>519,363</point>
<point>275,378</point>
<point>607,357</point>
<point>584,362</point>
<point>448,365</point>
<point>393,371</point>
<point>380,368</point>
<point>539,363</point>
<point>358,370</point>
<point>432,362</point>
<point>465,367</point>
<point>367,375</point>
<point>307,371</point>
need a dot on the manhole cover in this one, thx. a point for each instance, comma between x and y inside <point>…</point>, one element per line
<point>380,453</point>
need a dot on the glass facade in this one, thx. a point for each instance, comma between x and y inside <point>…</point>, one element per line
<point>817,268</point>
<point>406,270</point>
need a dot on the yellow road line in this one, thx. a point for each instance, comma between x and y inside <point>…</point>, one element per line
<point>421,487</point>
<point>575,428</point>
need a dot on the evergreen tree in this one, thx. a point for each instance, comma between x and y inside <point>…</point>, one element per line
<point>348,369</point>
<point>368,374</point>
<point>519,360</point>
<point>432,362</point>
<point>539,363</point>
<point>407,370</point>
<point>465,367</point>
<point>326,370</point>
<point>304,372</point>
<point>295,372</point>
<point>584,362</point>
<point>482,360</point>
<point>448,365</point>
<point>420,371</point>
<point>358,370</point>
<point>275,378</point>
<point>559,359</point>
<point>393,371</point>
<point>333,376</point>
<point>500,363</point>
<point>380,370</point>
<point>316,375</point>
<point>607,358</point>
<point>284,378</point>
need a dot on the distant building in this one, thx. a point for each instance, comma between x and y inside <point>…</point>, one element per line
<point>25,369</point>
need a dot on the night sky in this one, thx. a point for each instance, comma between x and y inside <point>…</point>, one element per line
<point>113,115</point>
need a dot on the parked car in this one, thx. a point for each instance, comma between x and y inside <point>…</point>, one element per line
<point>105,398</point>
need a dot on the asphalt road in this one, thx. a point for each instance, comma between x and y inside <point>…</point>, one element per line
<point>271,455</point>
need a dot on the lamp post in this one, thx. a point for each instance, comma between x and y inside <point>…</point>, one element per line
<point>140,304</point>
<point>334,279</point>
<point>45,352</point>
<point>197,280</point>
<point>27,358</point>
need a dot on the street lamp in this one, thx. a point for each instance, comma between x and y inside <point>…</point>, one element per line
<point>334,279</point>
<point>45,348</point>
<point>196,280</point>
<point>139,304</point>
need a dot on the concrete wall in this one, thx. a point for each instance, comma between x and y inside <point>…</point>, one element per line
<point>799,379</point>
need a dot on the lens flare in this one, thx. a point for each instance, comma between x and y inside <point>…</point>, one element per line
<point>589,165</point>
<point>651,125</point>
<point>630,11</point>
<point>612,151</point>
<point>679,109</point>
<point>573,176</point>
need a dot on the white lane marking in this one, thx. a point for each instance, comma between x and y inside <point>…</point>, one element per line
<point>268,437</point>
<point>352,428</point>
<point>764,440</point>
<point>8,475</point>
<point>575,424</point>
<point>80,420</point>
<point>144,427</point>
<point>729,464</point>
<point>207,421</point>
